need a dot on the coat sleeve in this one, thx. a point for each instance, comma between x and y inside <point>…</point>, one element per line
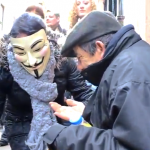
<point>76,83</point>
<point>3,78</point>
<point>129,112</point>
<point>2,102</point>
<point>5,86</point>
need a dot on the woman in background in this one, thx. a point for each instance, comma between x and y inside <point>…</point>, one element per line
<point>80,9</point>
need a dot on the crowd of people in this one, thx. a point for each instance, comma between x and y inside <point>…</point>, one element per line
<point>83,88</point>
<point>73,79</point>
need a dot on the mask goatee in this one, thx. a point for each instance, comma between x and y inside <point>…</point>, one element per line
<point>36,73</point>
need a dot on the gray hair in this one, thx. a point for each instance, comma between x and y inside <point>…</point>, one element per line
<point>90,47</point>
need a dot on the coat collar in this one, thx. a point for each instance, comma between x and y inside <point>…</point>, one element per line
<point>123,39</point>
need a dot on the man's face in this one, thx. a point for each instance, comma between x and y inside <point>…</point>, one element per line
<point>51,20</point>
<point>32,52</point>
<point>83,7</point>
<point>85,59</point>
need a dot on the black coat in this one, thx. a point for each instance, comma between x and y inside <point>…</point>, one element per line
<point>67,77</point>
<point>119,109</point>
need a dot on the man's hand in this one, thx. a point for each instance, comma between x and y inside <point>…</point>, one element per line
<point>77,106</point>
<point>74,108</point>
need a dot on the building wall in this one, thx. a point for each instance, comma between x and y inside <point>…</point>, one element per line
<point>137,12</point>
<point>13,9</point>
<point>100,4</point>
<point>134,12</point>
<point>148,21</point>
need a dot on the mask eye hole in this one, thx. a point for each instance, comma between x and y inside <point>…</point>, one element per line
<point>20,53</point>
<point>37,50</point>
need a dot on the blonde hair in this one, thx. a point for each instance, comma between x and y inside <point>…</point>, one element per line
<point>73,16</point>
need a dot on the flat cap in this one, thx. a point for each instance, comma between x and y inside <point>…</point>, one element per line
<point>92,26</point>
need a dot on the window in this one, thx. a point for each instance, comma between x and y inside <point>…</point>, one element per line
<point>111,5</point>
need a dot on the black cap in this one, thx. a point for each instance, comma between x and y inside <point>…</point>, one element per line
<point>94,25</point>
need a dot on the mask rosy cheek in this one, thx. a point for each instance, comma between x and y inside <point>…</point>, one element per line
<point>44,51</point>
<point>18,58</point>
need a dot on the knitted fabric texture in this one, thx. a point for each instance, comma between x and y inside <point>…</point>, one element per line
<point>41,91</point>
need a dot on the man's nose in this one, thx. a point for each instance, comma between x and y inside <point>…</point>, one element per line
<point>79,67</point>
<point>31,60</point>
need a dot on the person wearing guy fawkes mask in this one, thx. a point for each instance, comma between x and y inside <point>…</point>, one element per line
<point>54,29</point>
<point>33,75</point>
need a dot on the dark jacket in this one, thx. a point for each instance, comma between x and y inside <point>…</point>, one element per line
<point>67,77</point>
<point>62,30</point>
<point>119,109</point>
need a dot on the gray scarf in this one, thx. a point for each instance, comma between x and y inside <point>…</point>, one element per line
<point>41,91</point>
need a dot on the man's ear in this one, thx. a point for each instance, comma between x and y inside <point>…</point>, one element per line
<point>100,47</point>
<point>58,19</point>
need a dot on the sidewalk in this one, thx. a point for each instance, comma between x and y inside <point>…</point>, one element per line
<point>4,147</point>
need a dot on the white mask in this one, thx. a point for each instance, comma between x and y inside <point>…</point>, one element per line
<point>32,52</point>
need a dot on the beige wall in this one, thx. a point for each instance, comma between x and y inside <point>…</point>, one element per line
<point>14,8</point>
<point>148,21</point>
<point>100,4</point>
<point>136,12</point>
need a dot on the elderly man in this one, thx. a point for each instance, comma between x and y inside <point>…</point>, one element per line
<point>117,61</point>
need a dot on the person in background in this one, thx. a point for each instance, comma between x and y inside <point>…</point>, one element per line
<point>53,22</point>
<point>79,10</point>
<point>36,9</point>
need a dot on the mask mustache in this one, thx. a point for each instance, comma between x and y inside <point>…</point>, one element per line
<point>35,65</point>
